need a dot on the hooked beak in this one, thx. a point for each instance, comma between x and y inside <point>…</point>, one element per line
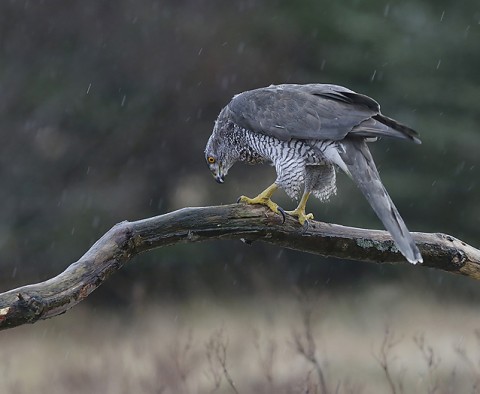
<point>220,178</point>
<point>217,172</point>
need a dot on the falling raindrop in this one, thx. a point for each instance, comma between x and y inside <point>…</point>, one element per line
<point>386,10</point>
<point>460,167</point>
<point>95,221</point>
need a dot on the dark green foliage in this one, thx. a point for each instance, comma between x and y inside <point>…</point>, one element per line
<point>105,107</point>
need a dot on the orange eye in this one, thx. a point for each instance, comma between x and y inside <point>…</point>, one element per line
<point>210,159</point>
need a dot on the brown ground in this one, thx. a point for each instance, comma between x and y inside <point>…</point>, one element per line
<point>428,347</point>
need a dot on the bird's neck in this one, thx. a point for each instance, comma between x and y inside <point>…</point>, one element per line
<point>247,153</point>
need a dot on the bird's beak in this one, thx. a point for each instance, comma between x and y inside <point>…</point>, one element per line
<point>220,178</point>
<point>218,173</point>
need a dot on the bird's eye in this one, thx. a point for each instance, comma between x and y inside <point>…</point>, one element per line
<point>210,159</point>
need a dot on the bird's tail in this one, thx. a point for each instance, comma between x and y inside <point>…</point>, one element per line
<point>359,162</point>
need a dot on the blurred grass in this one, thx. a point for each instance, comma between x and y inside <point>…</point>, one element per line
<point>165,347</point>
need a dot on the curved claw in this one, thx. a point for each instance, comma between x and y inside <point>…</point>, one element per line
<point>306,225</point>
<point>301,216</point>
<point>282,212</point>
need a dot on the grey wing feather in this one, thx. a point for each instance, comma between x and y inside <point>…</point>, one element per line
<point>314,111</point>
<point>363,171</point>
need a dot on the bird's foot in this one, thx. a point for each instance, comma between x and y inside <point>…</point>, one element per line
<point>262,200</point>
<point>301,215</point>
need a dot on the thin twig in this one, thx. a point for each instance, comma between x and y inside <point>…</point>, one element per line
<point>217,348</point>
<point>384,357</point>
<point>431,360</point>
<point>305,343</point>
<point>212,371</point>
<point>266,361</point>
<point>181,354</point>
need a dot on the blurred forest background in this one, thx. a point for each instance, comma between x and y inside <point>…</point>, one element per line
<point>105,109</point>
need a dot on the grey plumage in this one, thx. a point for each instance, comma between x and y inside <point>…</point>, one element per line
<point>304,131</point>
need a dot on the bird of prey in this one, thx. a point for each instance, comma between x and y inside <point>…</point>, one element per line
<point>305,131</point>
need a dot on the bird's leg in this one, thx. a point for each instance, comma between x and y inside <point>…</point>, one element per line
<point>264,199</point>
<point>299,211</point>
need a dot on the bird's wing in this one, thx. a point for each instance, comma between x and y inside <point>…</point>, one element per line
<point>314,111</point>
<point>357,157</point>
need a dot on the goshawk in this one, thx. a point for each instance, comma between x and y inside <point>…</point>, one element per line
<point>305,131</point>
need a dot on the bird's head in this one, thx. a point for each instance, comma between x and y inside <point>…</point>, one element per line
<point>221,152</point>
<point>217,157</point>
<point>216,167</point>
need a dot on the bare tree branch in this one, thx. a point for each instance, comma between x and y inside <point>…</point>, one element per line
<point>237,221</point>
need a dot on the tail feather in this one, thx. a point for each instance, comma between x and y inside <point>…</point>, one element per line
<point>380,125</point>
<point>359,162</point>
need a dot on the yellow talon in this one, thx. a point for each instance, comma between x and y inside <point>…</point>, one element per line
<point>302,217</point>
<point>262,201</point>
<point>299,212</point>
<point>263,198</point>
